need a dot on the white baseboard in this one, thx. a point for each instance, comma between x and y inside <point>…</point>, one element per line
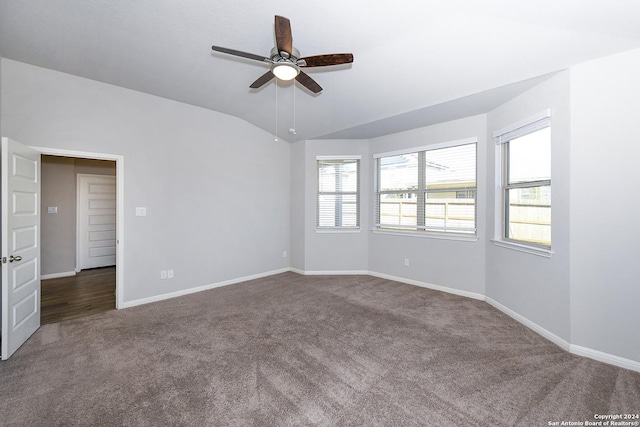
<point>331,272</point>
<point>57,275</point>
<point>389,277</point>
<point>431,286</point>
<point>183,292</point>
<point>560,342</point>
<point>564,344</point>
<point>605,357</point>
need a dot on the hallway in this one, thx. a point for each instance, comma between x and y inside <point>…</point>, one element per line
<point>88,292</point>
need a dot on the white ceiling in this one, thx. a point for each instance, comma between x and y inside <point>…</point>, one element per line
<point>416,62</point>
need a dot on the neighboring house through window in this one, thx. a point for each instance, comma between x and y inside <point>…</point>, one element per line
<point>427,189</point>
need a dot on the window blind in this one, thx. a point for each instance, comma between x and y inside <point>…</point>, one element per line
<point>429,190</point>
<point>338,198</point>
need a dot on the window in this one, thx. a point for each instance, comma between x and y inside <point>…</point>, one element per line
<point>338,193</point>
<point>526,183</point>
<point>432,189</point>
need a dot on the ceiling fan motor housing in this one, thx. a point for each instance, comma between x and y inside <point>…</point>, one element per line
<point>284,56</point>
<point>288,63</point>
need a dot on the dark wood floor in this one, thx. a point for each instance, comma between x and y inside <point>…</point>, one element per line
<point>88,292</point>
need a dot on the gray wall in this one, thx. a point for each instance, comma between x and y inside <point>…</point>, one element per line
<point>59,187</point>
<point>298,178</point>
<point>453,264</point>
<point>605,206</point>
<point>331,251</point>
<point>533,286</point>
<point>58,231</point>
<point>216,189</point>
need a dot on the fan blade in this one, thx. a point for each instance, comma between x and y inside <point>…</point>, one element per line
<point>262,80</point>
<point>284,40</point>
<point>308,82</point>
<point>325,60</point>
<point>240,53</point>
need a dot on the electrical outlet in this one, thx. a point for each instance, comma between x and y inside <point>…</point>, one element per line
<point>163,274</point>
<point>406,262</point>
<point>284,254</point>
<point>140,211</point>
<point>170,274</point>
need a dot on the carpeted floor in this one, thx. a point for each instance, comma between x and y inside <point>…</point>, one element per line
<point>297,350</point>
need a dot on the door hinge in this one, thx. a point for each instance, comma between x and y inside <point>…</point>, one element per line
<point>4,259</point>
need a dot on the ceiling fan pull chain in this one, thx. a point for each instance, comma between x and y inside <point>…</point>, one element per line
<point>292,130</point>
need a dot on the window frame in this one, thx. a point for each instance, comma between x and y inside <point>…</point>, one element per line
<point>341,228</point>
<point>421,195</point>
<point>502,139</point>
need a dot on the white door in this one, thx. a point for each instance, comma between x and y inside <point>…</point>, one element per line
<point>20,245</point>
<point>96,221</point>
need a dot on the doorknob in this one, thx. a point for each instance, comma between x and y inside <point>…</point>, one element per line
<point>15,258</point>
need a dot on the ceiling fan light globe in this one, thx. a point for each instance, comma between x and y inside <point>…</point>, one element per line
<point>285,71</point>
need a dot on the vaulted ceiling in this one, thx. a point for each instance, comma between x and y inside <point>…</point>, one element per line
<point>416,62</point>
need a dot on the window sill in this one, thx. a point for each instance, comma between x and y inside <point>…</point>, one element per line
<point>532,250</point>
<point>337,230</point>
<point>427,235</point>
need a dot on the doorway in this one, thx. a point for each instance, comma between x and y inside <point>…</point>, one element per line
<point>78,235</point>
<point>119,166</point>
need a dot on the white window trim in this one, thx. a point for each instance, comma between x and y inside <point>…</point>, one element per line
<point>461,237</point>
<point>524,127</point>
<point>472,237</point>
<point>520,247</point>
<point>436,146</point>
<point>338,230</point>
<point>349,157</point>
<point>341,230</point>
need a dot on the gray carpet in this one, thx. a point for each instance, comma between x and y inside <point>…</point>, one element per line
<point>293,350</point>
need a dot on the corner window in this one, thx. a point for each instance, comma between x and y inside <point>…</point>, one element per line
<point>338,198</point>
<point>432,189</point>
<point>526,183</point>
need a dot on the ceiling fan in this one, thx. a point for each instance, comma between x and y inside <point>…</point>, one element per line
<point>285,60</point>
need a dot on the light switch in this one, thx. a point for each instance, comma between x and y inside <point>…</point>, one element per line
<point>141,211</point>
<point>52,209</point>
